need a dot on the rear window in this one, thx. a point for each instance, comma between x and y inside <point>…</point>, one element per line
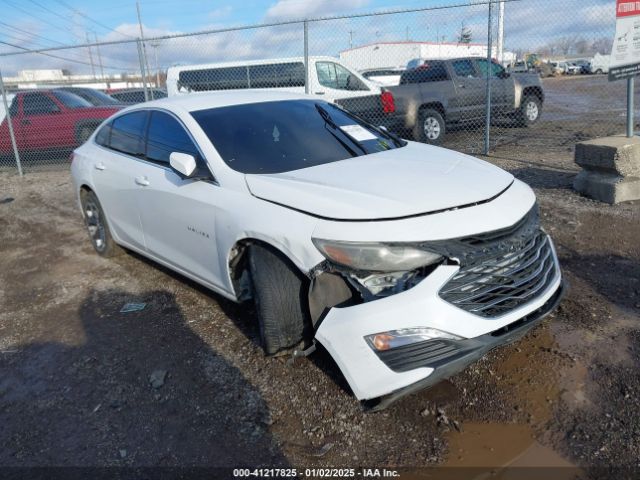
<point>428,72</point>
<point>275,137</point>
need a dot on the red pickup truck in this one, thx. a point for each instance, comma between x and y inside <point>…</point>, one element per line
<point>50,120</point>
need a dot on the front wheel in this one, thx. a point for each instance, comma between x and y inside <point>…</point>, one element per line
<point>430,127</point>
<point>280,294</point>
<point>530,111</point>
<point>97,226</point>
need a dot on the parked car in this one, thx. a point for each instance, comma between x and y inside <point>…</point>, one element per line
<point>557,69</point>
<point>407,262</point>
<point>569,68</point>
<point>445,92</point>
<point>93,96</point>
<point>584,65</point>
<point>600,64</point>
<point>137,95</point>
<point>520,67</point>
<point>50,120</point>
<point>387,77</point>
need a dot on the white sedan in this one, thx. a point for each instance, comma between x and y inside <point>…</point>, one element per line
<point>405,261</point>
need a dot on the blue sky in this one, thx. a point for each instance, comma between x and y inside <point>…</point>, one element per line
<point>46,23</point>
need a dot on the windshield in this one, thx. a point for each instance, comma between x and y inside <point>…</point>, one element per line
<point>96,97</point>
<point>71,100</point>
<point>276,137</point>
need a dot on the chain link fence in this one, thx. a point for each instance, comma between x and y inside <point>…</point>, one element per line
<point>472,76</point>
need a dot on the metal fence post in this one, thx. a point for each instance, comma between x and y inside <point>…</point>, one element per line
<point>487,126</point>
<point>306,57</point>
<point>10,123</point>
<point>142,72</point>
<point>630,107</point>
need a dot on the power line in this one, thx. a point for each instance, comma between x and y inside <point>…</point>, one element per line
<point>59,57</point>
<point>18,39</point>
<point>84,15</point>
<point>53,12</point>
<point>31,14</point>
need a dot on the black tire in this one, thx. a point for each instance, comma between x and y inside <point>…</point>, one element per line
<point>530,111</point>
<point>430,127</point>
<point>599,71</point>
<point>97,226</point>
<point>280,294</point>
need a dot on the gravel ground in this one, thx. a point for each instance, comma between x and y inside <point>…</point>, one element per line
<point>184,383</point>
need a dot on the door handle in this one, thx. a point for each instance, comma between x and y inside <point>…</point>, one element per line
<point>26,121</point>
<point>319,93</point>
<point>142,181</point>
<point>99,166</point>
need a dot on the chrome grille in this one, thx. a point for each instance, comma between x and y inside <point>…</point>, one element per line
<point>504,281</point>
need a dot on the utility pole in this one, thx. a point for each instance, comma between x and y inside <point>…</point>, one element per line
<point>93,68</point>
<point>350,38</point>
<point>155,46</point>
<point>144,46</point>
<point>500,53</point>
<point>99,58</point>
<point>407,30</point>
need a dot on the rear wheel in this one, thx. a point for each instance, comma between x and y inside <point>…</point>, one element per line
<point>96,224</point>
<point>530,111</point>
<point>430,127</point>
<point>280,296</point>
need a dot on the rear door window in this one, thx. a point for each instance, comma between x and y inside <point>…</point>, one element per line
<point>127,133</point>
<point>428,72</point>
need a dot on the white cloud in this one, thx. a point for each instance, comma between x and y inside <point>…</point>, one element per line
<point>297,9</point>
<point>220,13</point>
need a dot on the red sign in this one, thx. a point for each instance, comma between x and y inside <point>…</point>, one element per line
<point>627,8</point>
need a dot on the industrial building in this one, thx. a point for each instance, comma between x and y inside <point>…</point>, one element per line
<point>398,54</point>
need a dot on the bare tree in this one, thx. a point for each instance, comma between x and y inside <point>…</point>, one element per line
<point>602,46</point>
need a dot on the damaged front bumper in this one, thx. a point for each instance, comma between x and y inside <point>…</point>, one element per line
<point>379,378</point>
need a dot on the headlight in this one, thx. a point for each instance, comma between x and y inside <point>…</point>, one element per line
<point>399,338</point>
<point>375,257</point>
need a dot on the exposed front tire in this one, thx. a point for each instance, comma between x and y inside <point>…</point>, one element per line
<point>280,294</point>
<point>530,111</point>
<point>97,227</point>
<point>430,127</point>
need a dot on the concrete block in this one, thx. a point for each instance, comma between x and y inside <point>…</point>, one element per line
<point>611,169</point>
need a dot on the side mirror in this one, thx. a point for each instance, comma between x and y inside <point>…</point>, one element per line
<point>183,163</point>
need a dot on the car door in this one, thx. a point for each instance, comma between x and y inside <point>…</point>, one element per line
<point>39,128</point>
<point>502,86</point>
<point>335,81</point>
<point>117,172</point>
<point>178,214</point>
<point>469,101</point>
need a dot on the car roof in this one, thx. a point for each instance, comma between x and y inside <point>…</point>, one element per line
<point>192,102</point>
<point>250,62</point>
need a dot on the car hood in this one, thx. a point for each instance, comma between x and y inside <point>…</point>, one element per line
<point>412,180</point>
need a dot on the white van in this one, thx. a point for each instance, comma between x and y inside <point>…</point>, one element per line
<point>600,63</point>
<point>328,77</point>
